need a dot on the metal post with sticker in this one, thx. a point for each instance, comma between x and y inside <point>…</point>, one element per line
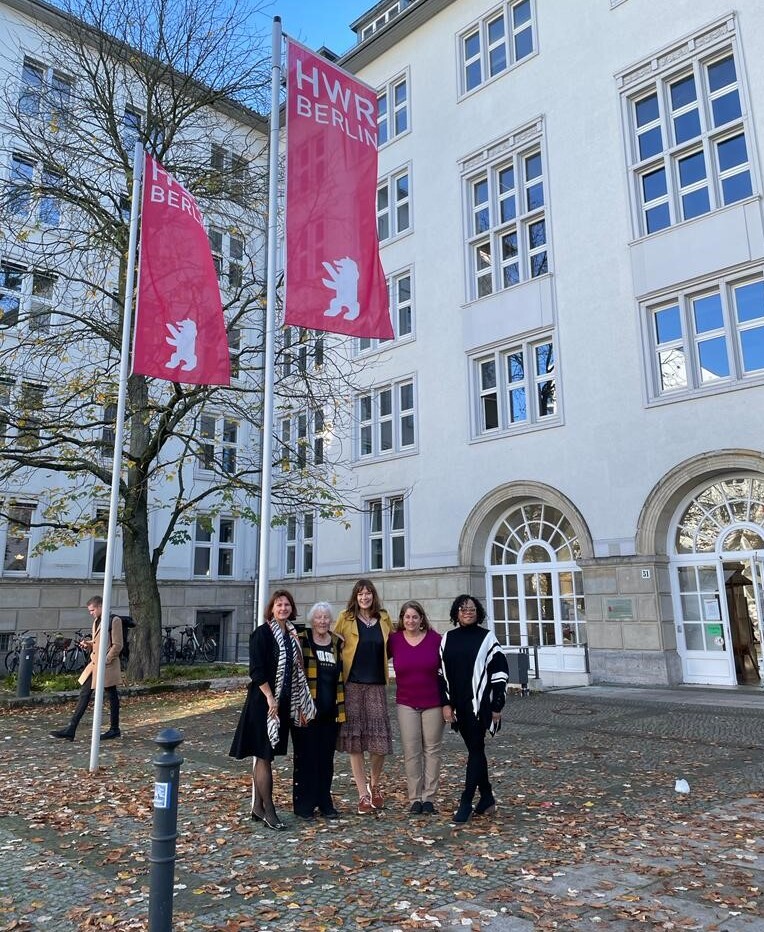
<point>164,833</point>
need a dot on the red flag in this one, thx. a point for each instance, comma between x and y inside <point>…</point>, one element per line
<point>180,331</point>
<point>334,277</point>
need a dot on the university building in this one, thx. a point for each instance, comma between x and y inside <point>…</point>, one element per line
<point>568,422</point>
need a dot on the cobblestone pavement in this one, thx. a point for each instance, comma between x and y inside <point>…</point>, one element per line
<point>589,830</point>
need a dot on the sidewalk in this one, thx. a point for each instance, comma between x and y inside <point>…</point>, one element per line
<point>589,831</point>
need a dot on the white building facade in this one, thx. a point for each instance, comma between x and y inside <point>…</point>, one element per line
<point>568,423</point>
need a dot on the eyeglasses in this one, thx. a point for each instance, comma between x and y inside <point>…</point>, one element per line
<point>468,609</point>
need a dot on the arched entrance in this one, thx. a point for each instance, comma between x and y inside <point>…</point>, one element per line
<point>716,550</point>
<point>535,587</point>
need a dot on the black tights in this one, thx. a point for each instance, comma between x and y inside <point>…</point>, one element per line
<point>473,735</point>
<point>262,788</point>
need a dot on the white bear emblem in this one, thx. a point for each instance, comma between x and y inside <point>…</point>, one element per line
<point>344,280</point>
<point>183,338</point>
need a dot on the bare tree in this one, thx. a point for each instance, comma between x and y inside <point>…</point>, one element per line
<point>185,77</point>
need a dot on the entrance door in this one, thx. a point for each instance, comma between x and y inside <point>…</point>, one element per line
<point>743,582</point>
<point>703,636</point>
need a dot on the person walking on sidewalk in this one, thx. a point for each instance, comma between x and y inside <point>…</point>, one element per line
<point>473,680</point>
<point>88,681</point>
<point>415,651</point>
<point>364,628</point>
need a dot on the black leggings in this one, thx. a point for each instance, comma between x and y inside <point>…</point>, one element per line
<point>473,735</point>
<point>84,701</point>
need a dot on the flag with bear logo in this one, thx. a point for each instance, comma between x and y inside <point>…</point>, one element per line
<point>180,332</point>
<point>333,273</point>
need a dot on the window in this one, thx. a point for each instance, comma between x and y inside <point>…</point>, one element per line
<point>6,388</point>
<point>100,534</point>
<point>516,387</point>
<point>401,312</point>
<point>214,542</point>
<point>108,430</point>
<point>706,337</point>
<point>35,191</point>
<point>387,420</point>
<point>506,222</point>
<point>302,439</point>
<point>497,42</point>
<point>31,401</point>
<point>299,546</point>
<point>18,533</point>
<point>386,533</point>
<point>298,347</point>
<point>393,206</point>
<point>382,19</point>
<point>45,92</point>
<point>218,445</point>
<point>392,111</point>
<point>234,351</point>
<point>227,254</point>
<point>26,295</point>
<point>234,167</point>
<point>689,148</point>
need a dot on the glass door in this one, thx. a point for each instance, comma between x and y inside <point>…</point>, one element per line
<point>703,634</point>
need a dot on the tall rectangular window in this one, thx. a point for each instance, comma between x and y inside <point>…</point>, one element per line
<point>498,42</point>
<point>393,205</point>
<point>299,537</point>
<point>218,445</point>
<point>708,336</point>
<point>387,420</point>
<point>214,546</point>
<point>100,532</point>
<point>507,237</point>
<point>18,534</point>
<point>392,111</point>
<point>46,93</point>
<point>689,143</point>
<point>515,387</point>
<point>386,533</point>
<point>401,297</point>
<point>303,439</point>
<point>31,402</point>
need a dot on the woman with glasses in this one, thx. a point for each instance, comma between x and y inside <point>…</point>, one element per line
<point>473,685</point>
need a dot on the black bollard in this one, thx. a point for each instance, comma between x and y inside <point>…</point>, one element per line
<point>165,830</point>
<point>26,664</point>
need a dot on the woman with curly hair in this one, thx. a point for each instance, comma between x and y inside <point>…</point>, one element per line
<point>473,685</point>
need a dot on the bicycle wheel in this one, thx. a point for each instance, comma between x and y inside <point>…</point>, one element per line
<point>40,662</point>
<point>58,660</point>
<point>169,650</point>
<point>12,661</point>
<point>188,652</point>
<point>209,649</point>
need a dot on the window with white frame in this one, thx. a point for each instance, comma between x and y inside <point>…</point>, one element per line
<point>31,402</point>
<point>387,420</point>
<point>108,429</point>
<point>401,312</point>
<point>234,166</point>
<point>214,546</point>
<point>45,92</point>
<point>392,110</point>
<point>299,349</point>
<point>218,444</point>
<point>6,391</point>
<point>302,438</point>
<point>227,254</point>
<point>34,194</point>
<point>234,351</point>
<point>18,536</point>
<point>386,533</point>
<point>500,40</point>
<point>99,536</point>
<point>507,235</point>
<point>25,297</point>
<point>516,387</point>
<point>393,205</point>
<point>383,18</point>
<point>707,337</point>
<point>299,549</point>
<point>689,143</point>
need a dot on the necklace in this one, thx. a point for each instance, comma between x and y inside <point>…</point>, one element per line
<point>368,621</point>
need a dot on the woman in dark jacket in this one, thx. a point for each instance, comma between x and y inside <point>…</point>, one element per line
<point>473,683</point>
<point>277,695</point>
<point>313,747</point>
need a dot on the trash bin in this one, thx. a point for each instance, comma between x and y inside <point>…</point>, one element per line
<point>519,664</point>
<point>26,664</point>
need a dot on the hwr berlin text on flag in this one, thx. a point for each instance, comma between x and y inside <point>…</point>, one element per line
<point>334,277</point>
<point>180,331</point>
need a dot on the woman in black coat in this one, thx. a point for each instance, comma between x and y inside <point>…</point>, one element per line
<point>473,684</point>
<point>278,694</point>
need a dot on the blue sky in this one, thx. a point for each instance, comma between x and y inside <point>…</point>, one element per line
<point>319,22</point>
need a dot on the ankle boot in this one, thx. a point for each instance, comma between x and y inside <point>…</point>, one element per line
<point>486,805</point>
<point>66,733</point>
<point>464,812</point>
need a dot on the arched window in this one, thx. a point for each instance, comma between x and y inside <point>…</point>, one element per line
<point>536,587</point>
<point>729,512</point>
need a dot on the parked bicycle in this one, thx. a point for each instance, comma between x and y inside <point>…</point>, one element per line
<point>191,647</point>
<point>13,657</point>
<point>75,657</point>
<point>169,645</point>
<point>50,655</point>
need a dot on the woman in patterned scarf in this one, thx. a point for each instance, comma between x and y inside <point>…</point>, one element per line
<point>278,694</point>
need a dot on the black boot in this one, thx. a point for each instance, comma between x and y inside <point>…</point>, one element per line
<point>66,733</point>
<point>111,733</point>
<point>486,805</point>
<point>464,812</point>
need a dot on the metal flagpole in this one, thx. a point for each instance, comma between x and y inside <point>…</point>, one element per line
<point>116,466</point>
<point>270,325</point>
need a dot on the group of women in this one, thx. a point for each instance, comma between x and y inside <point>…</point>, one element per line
<point>329,690</point>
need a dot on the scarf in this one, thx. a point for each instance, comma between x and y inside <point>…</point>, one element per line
<point>301,706</point>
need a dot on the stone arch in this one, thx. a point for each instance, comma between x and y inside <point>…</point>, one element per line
<point>666,495</point>
<point>480,521</point>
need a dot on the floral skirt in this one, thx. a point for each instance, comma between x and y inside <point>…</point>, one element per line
<point>367,724</point>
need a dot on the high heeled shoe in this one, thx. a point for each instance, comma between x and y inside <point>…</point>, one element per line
<point>273,822</point>
<point>256,816</point>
